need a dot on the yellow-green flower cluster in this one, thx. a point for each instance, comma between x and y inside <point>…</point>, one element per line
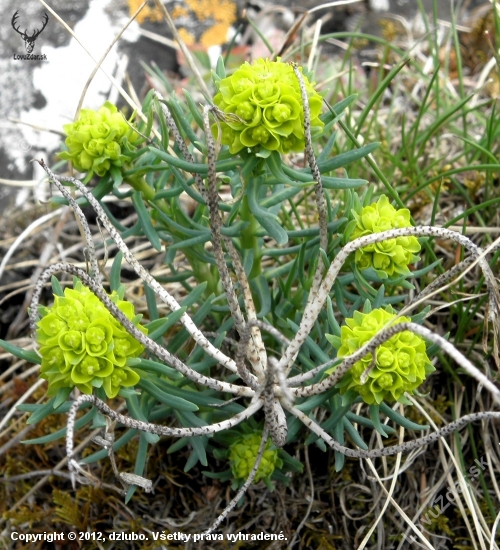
<point>242,455</point>
<point>83,345</point>
<point>265,107</point>
<point>390,257</point>
<point>98,140</point>
<point>401,363</point>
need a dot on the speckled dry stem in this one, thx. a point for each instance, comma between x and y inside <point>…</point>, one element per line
<point>141,272</point>
<point>313,309</point>
<point>318,186</point>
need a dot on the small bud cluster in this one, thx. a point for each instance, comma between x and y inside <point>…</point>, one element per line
<point>243,453</point>
<point>390,257</point>
<point>98,140</point>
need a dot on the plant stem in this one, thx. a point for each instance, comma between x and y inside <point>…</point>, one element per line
<point>140,184</point>
<point>249,239</point>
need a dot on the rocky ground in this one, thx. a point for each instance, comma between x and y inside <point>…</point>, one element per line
<point>38,97</point>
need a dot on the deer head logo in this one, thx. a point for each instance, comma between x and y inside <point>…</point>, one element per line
<point>29,41</point>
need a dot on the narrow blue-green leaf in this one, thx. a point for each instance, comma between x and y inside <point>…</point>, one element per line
<point>261,288</point>
<point>310,344</point>
<point>220,69</point>
<point>27,355</point>
<point>103,453</point>
<point>57,289</point>
<point>195,295</point>
<point>191,461</point>
<point>375,418</point>
<point>315,401</point>
<point>136,412</point>
<point>330,182</point>
<point>156,329</point>
<point>345,158</point>
<point>225,165</point>
<point>117,176</point>
<point>198,443</point>
<point>115,275</point>
<point>353,434</point>
<point>145,219</point>
<point>85,419</point>
<point>176,343</point>
<point>334,326</point>
<point>150,113</point>
<point>363,421</point>
<point>275,164</point>
<point>193,108</point>
<point>199,448</point>
<point>338,108</point>
<point>338,434</point>
<point>379,298</point>
<point>178,445</point>
<point>400,419</point>
<point>182,121</point>
<point>32,407</point>
<point>193,396</point>
<point>267,220</point>
<point>167,398</point>
<point>272,228</point>
<point>327,149</point>
<point>184,244</point>
<point>151,302</point>
<point>61,397</point>
<point>158,368</point>
<point>280,196</point>
<point>140,463</point>
<point>421,272</point>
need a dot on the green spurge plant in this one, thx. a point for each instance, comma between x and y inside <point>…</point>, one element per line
<point>262,290</point>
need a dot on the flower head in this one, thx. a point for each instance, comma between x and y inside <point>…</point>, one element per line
<point>98,140</point>
<point>83,345</point>
<point>266,102</point>
<point>401,363</point>
<point>390,257</point>
<point>243,453</point>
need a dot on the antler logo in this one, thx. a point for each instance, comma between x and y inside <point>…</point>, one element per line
<point>29,41</point>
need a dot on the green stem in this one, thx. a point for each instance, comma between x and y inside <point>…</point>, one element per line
<point>140,184</point>
<point>249,240</point>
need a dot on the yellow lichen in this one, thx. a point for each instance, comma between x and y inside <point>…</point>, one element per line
<point>222,11</point>
<point>187,37</point>
<point>153,14</point>
<point>179,11</point>
<point>214,36</point>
